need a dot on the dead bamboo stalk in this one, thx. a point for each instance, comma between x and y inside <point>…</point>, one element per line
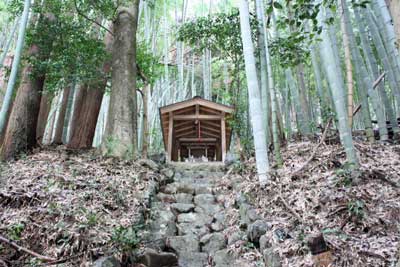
<point>315,148</point>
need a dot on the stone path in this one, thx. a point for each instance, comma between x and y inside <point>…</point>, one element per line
<point>187,219</point>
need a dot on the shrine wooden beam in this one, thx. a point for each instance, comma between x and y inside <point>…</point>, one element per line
<point>199,117</point>
<point>210,129</point>
<point>178,130</point>
<point>197,139</point>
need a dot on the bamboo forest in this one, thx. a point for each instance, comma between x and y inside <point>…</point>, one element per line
<point>200,133</point>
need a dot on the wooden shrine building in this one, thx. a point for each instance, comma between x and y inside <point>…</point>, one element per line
<point>196,129</point>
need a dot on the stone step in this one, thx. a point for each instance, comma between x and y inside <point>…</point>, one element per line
<point>183,244</point>
<point>194,259</point>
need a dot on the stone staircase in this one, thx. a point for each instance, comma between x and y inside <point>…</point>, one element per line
<point>187,219</point>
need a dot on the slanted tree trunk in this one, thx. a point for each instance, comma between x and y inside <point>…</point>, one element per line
<point>372,66</point>
<point>383,55</point>
<point>335,79</point>
<point>120,138</point>
<point>256,115</point>
<point>58,135</point>
<point>364,84</point>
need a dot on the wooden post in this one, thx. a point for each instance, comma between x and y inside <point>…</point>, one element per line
<point>223,137</point>
<point>170,133</point>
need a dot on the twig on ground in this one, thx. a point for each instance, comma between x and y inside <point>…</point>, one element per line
<point>315,148</point>
<point>381,176</point>
<point>295,214</point>
<point>19,248</point>
<point>287,206</point>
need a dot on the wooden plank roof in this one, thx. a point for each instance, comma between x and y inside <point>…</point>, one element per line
<point>197,100</point>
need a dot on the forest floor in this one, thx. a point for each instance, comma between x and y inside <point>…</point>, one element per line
<point>74,206</point>
<point>69,206</point>
<point>360,223</point>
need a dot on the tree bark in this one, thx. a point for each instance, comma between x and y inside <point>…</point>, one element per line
<point>336,84</point>
<point>20,135</point>
<point>120,138</point>
<point>145,145</point>
<point>61,117</point>
<point>349,67</point>
<point>44,111</point>
<point>255,105</point>
<point>21,130</point>
<point>4,112</point>
<point>87,107</point>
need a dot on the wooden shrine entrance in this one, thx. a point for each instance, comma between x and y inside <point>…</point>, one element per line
<point>196,130</point>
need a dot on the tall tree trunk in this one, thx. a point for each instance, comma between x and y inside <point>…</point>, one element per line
<point>263,65</point>
<point>120,139</point>
<point>335,79</point>
<point>303,98</point>
<point>347,59</point>
<point>323,103</point>
<point>85,114</point>
<point>20,133</point>
<point>193,86</point>
<point>14,70</point>
<point>166,51</point>
<point>58,135</point>
<point>382,13</point>
<point>372,66</point>
<point>271,85</point>
<point>300,118</point>
<point>386,30</point>
<point>44,111</point>
<point>383,55</point>
<point>87,107</point>
<point>145,145</point>
<point>364,83</point>
<point>259,134</point>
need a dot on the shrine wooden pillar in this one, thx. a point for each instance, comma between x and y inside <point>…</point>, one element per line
<point>223,137</point>
<point>170,133</point>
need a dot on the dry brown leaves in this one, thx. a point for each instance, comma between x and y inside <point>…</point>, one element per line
<point>360,222</point>
<point>64,205</point>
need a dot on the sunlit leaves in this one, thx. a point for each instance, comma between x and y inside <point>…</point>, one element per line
<point>219,33</point>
